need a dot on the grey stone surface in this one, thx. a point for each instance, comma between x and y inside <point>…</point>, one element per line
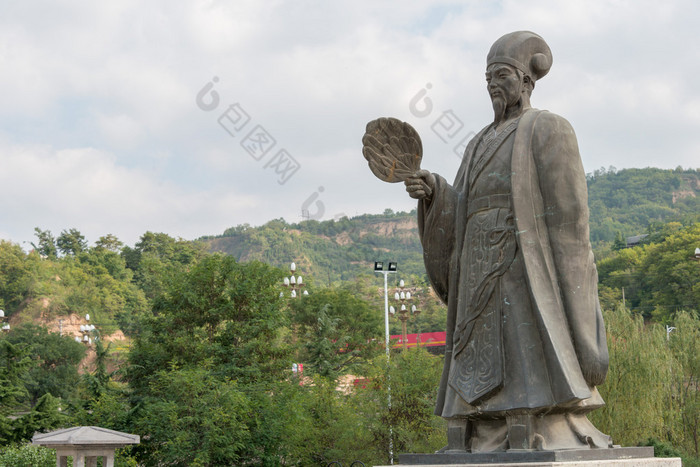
<point>497,458</point>
<point>506,247</point>
<point>85,435</point>
<point>641,462</point>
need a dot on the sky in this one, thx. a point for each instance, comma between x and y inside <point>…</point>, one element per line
<point>191,117</point>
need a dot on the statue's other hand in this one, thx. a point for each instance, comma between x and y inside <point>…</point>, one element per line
<point>420,185</point>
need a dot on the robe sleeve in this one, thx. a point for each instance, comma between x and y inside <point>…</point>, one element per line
<point>436,225</point>
<point>562,183</point>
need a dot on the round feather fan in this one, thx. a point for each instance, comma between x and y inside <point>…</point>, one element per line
<point>392,148</point>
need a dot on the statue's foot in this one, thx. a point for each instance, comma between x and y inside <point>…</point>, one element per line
<point>457,434</point>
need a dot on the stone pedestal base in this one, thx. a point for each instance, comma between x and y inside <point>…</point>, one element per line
<point>614,457</point>
<point>641,462</point>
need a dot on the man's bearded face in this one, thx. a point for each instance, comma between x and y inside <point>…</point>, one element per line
<point>505,86</point>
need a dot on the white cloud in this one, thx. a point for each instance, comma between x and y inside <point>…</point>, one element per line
<point>121,78</point>
<point>85,188</point>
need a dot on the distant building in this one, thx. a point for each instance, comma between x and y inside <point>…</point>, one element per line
<point>636,240</point>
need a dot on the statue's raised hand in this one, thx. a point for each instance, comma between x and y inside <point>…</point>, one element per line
<point>420,185</point>
<point>393,149</point>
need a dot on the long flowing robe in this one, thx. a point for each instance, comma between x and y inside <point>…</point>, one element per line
<point>508,251</point>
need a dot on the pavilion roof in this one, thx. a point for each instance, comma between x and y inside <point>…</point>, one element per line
<point>85,435</point>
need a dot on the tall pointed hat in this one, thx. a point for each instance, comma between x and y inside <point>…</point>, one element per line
<point>524,50</point>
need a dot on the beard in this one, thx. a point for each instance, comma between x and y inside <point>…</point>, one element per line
<point>499,108</point>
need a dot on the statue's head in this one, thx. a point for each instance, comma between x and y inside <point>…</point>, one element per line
<point>513,64</point>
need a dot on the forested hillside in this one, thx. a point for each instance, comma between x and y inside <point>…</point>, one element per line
<point>329,251</point>
<point>622,203</point>
<point>629,201</point>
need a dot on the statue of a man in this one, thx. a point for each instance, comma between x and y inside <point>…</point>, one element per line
<point>507,248</point>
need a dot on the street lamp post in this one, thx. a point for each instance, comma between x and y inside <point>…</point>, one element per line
<point>86,330</point>
<point>404,297</point>
<point>379,268</point>
<point>294,283</point>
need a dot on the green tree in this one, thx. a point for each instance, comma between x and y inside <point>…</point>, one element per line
<point>27,455</point>
<point>192,418</point>
<point>97,382</point>
<point>619,242</point>
<point>71,242</point>
<point>413,377</point>
<point>321,424</point>
<point>218,322</point>
<point>46,243</point>
<point>109,242</point>
<point>220,311</point>
<point>684,342</point>
<point>157,256</point>
<point>658,278</point>
<point>17,276</point>
<point>45,416</point>
<point>339,330</point>
<point>55,362</point>
<point>14,363</point>
<point>669,275</point>
<point>638,386</point>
